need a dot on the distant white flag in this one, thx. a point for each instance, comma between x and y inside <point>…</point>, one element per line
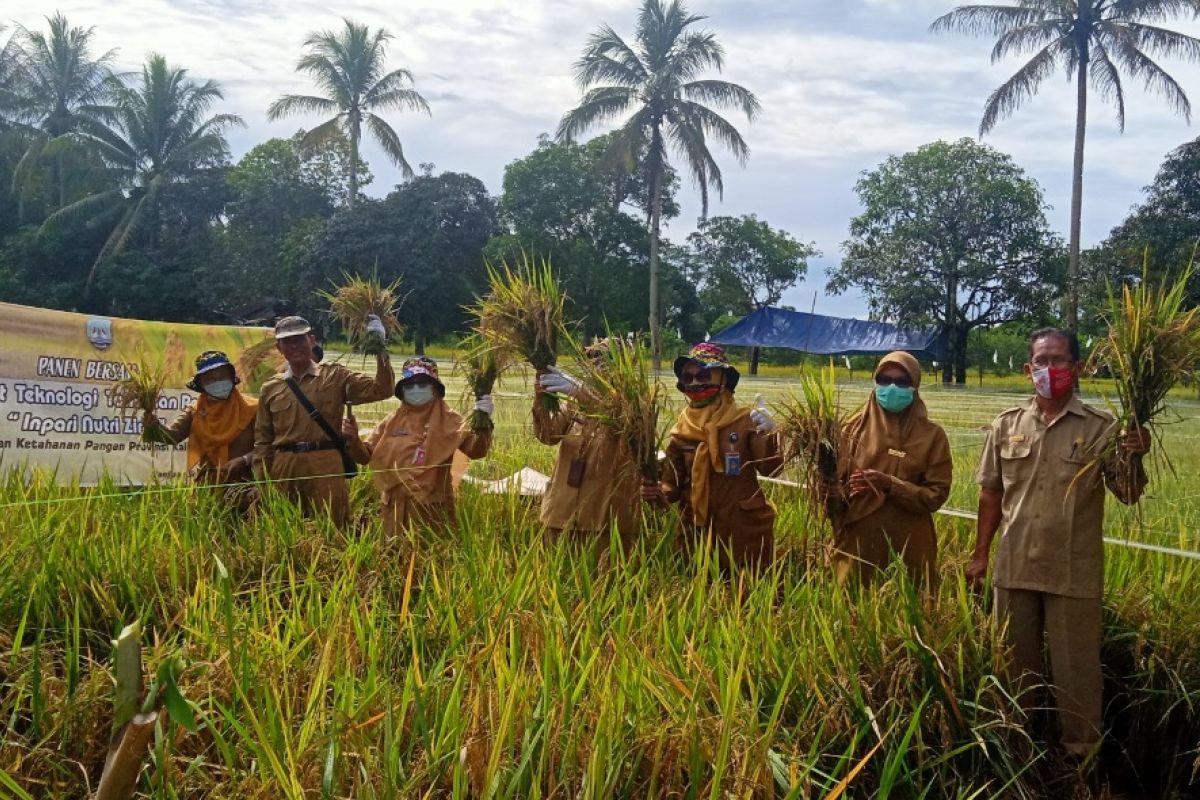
<point>996,357</point>
<point>1010,366</point>
<point>847,360</point>
<point>1089,343</point>
<point>706,335</point>
<point>935,365</point>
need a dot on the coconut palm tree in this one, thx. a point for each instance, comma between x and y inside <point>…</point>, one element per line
<point>63,87</point>
<point>1092,41</point>
<point>159,134</point>
<point>10,73</point>
<point>348,66</point>
<point>658,79</point>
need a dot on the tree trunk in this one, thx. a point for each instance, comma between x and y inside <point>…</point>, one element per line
<point>656,168</point>
<point>61,180</point>
<point>419,343</point>
<point>352,189</point>
<point>1072,299</point>
<point>754,353</point>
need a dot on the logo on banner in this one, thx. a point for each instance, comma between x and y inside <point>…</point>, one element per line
<point>99,333</point>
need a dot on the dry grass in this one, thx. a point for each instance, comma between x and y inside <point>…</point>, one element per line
<point>523,313</point>
<point>358,298</point>
<point>140,392</point>
<point>619,390</point>
<point>810,424</point>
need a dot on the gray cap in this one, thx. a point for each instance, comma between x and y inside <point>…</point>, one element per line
<point>291,326</point>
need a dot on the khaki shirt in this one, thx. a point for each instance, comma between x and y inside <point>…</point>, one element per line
<point>1053,479</point>
<point>282,420</point>
<point>609,487</point>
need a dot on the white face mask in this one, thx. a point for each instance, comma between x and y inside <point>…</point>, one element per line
<point>417,395</point>
<point>219,390</point>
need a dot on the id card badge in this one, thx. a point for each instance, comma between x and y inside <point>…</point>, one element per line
<point>733,464</point>
<point>419,456</point>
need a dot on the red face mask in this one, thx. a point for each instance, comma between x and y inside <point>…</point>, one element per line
<point>700,395</point>
<point>1053,383</point>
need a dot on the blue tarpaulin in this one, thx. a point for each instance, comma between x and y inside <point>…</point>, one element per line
<point>829,336</point>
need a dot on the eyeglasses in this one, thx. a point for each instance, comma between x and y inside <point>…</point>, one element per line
<point>1059,362</point>
<point>886,380</point>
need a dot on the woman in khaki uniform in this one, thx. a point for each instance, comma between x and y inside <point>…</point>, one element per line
<point>412,449</point>
<point>895,472</point>
<point>594,484</point>
<point>716,452</point>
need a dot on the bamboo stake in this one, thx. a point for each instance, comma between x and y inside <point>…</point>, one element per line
<point>124,762</point>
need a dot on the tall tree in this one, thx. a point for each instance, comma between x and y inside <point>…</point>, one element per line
<point>747,265</point>
<point>563,202</point>
<point>10,75</point>
<point>953,234</point>
<point>160,134</point>
<point>348,66</point>
<point>430,233</point>
<point>1092,40</point>
<point>658,79</point>
<point>64,88</point>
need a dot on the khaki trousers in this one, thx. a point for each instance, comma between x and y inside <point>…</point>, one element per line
<point>1069,628</point>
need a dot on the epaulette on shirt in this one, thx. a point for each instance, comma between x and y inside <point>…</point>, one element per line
<point>1011,410</point>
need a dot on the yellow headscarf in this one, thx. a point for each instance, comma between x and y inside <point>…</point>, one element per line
<point>216,423</point>
<point>703,426</point>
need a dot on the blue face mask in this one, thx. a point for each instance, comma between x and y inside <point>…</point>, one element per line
<point>418,395</point>
<point>219,390</point>
<point>894,398</point>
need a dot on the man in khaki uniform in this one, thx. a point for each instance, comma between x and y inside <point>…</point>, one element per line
<point>1043,475</point>
<point>291,445</point>
<point>595,483</point>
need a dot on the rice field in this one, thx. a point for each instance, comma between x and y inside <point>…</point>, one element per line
<point>485,663</point>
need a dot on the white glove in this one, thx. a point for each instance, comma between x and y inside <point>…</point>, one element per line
<point>375,326</point>
<point>761,417</point>
<point>486,405</point>
<point>559,382</point>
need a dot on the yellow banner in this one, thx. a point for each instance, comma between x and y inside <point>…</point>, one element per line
<point>57,371</point>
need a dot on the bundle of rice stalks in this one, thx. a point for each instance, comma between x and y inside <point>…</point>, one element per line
<point>810,425</point>
<point>357,298</point>
<point>258,362</point>
<point>522,314</point>
<point>481,365</point>
<point>619,390</point>
<point>139,393</point>
<point>1153,342</point>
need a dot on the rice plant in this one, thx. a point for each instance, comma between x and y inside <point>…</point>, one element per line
<point>481,364</point>
<point>810,424</point>
<point>523,314</point>
<point>356,299</point>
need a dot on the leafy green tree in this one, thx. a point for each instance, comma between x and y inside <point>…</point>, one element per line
<point>1161,233</point>
<point>1092,40</point>
<point>160,135</point>
<point>657,78</point>
<point>63,87</point>
<point>564,202</point>
<point>747,265</point>
<point>10,83</point>
<point>348,66</point>
<point>429,232</point>
<point>280,192</point>
<point>953,234</point>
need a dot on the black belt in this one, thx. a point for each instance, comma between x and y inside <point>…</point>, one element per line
<point>306,447</point>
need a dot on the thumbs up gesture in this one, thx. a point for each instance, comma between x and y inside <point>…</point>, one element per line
<point>761,416</point>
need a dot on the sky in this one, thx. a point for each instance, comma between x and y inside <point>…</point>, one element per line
<point>843,85</point>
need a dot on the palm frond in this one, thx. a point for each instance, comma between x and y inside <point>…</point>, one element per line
<point>1154,77</point>
<point>722,93</point>
<point>1107,81</point>
<point>390,142</point>
<point>1009,96</point>
<point>291,104</point>
<point>1027,37</point>
<point>988,20</point>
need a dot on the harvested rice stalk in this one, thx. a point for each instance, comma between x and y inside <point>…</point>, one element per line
<point>138,394</point>
<point>810,425</point>
<point>1153,342</point>
<point>358,298</point>
<point>481,365</point>
<point>258,362</point>
<point>522,314</point>
<point>619,390</point>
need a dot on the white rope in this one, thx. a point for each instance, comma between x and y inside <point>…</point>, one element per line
<point>961,514</point>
